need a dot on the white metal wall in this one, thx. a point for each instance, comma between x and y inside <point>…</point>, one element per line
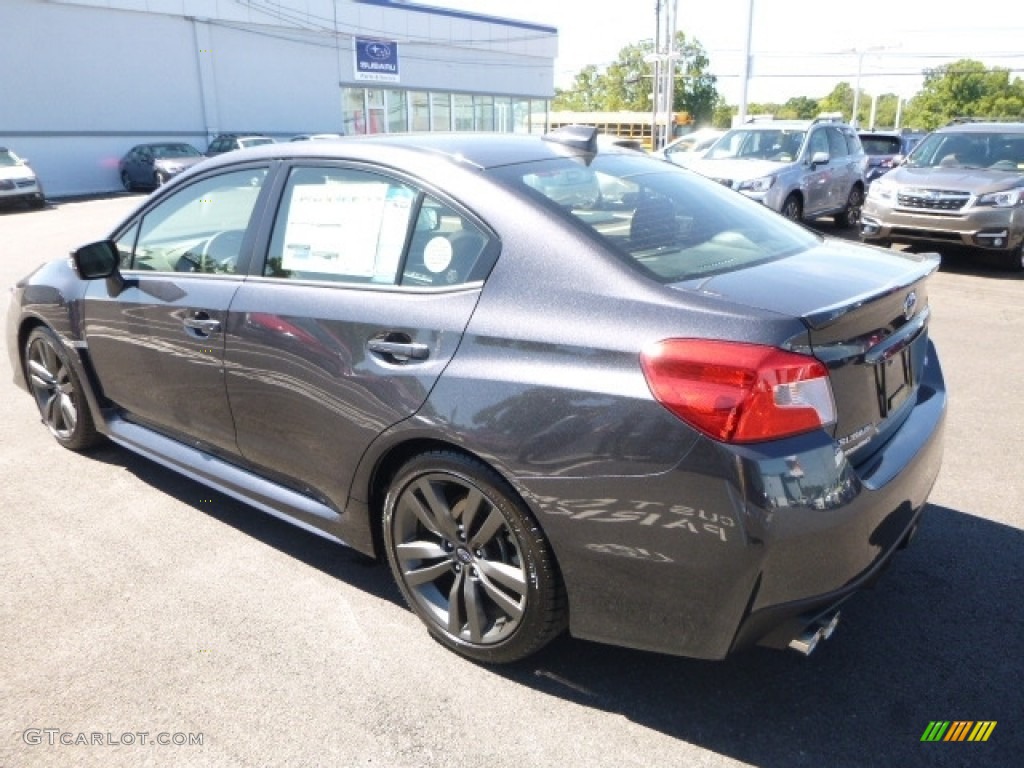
<point>96,77</point>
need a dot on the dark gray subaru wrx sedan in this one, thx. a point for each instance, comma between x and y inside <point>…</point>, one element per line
<point>650,411</point>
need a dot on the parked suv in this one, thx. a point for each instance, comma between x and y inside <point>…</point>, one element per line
<point>228,142</point>
<point>886,150</point>
<point>962,185</point>
<point>802,168</point>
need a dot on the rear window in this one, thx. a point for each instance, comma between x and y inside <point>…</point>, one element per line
<point>881,145</point>
<point>669,222</point>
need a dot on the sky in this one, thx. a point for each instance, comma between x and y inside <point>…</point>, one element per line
<point>799,47</point>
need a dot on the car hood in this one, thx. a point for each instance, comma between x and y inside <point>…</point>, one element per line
<point>735,169</point>
<point>974,180</point>
<point>16,172</point>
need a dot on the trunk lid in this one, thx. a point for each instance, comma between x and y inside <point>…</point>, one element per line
<point>866,313</point>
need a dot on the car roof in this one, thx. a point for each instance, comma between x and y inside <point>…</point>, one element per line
<point>480,150</point>
<point>982,127</point>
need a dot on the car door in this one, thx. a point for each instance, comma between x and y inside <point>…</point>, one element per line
<point>843,168</point>
<point>366,290</point>
<point>818,179</point>
<point>131,165</point>
<point>157,341</point>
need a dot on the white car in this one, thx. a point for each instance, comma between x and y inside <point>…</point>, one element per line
<point>690,147</point>
<point>18,182</point>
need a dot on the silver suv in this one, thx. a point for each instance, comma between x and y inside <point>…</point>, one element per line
<point>801,168</point>
<point>962,185</point>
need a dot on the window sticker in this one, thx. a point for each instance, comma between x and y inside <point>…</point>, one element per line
<point>437,255</point>
<point>347,228</point>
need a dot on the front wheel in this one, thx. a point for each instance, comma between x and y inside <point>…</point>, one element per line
<point>57,391</point>
<point>793,209</point>
<point>470,560</point>
<point>126,181</point>
<point>1013,260</point>
<point>850,217</point>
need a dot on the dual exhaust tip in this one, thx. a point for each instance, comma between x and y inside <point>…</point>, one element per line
<point>818,630</point>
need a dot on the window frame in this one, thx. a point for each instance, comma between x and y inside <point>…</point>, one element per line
<point>276,198</point>
<point>249,240</point>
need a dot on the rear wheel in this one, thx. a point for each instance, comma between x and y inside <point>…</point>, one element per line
<point>850,217</point>
<point>470,560</point>
<point>57,391</point>
<point>793,209</point>
<point>126,181</point>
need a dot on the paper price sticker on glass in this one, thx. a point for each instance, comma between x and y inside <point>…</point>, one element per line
<point>347,228</point>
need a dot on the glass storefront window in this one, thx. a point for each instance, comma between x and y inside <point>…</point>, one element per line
<point>521,116</point>
<point>503,114</point>
<point>463,104</point>
<point>484,113</point>
<point>440,112</point>
<point>398,112</point>
<point>353,110</point>
<point>375,111</point>
<point>419,110</point>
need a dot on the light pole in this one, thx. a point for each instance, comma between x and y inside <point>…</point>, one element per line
<point>854,119</point>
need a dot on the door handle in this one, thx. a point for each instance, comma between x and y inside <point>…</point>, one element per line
<point>202,325</point>
<point>399,351</point>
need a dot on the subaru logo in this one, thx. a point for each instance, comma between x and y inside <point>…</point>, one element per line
<point>378,51</point>
<point>909,305</point>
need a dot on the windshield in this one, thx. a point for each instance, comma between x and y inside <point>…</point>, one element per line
<point>672,224</point>
<point>778,144</point>
<point>8,158</point>
<point>175,150</point>
<point>996,150</point>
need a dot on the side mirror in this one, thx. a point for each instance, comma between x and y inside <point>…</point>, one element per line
<point>819,158</point>
<point>96,260</point>
<point>99,260</point>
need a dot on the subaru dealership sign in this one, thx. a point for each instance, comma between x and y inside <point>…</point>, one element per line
<point>376,60</point>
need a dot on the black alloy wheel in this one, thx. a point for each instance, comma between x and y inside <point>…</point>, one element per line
<point>57,391</point>
<point>470,560</point>
<point>793,209</point>
<point>850,217</point>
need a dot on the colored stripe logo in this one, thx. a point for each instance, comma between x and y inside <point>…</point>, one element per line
<point>958,730</point>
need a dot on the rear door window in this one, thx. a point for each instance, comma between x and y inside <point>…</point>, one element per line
<point>359,227</point>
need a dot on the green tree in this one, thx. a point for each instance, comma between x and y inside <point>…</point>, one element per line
<point>800,108</point>
<point>627,84</point>
<point>965,88</point>
<point>584,94</point>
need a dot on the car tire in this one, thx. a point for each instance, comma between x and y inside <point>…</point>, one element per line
<point>793,209</point>
<point>57,391</point>
<point>470,559</point>
<point>850,217</point>
<point>1013,260</point>
<point>160,179</point>
<point>126,181</point>
<point>37,202</point>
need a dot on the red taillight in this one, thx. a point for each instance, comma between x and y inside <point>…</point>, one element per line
<point>739,393</point>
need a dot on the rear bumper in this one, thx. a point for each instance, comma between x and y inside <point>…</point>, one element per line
<point>736,547</point>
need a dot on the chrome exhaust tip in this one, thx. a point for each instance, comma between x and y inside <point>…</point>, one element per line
<point>821,629</point>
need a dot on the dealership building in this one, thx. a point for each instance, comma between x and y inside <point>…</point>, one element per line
<point>88,79</point>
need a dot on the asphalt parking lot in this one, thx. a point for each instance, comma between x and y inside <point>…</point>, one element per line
<point>139,608</point>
